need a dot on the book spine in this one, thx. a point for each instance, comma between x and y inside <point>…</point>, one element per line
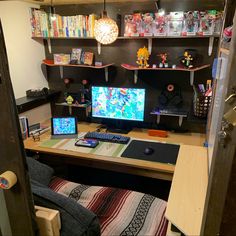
<point>32,22</point>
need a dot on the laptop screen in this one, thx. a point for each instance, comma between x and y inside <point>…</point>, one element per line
<point>64,126</point>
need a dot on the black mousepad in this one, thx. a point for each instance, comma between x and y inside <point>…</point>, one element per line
<point>162,152</point>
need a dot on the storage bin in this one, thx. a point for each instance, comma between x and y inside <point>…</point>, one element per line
<point>201,104</point>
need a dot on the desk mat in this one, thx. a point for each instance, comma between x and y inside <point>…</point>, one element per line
<point>103,148</point>
<point>164,153</point>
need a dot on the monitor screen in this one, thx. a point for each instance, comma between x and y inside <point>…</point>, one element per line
<point>64,125</point>
<point>118,103</point>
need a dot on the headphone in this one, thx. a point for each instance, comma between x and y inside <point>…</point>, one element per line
<point>171,95</point>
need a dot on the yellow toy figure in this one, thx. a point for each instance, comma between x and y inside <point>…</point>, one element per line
<point>187,61</point>
<point>142,56</point>
<point>69,100</point>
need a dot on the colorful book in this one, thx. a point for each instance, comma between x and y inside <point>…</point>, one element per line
<point>88,58</point>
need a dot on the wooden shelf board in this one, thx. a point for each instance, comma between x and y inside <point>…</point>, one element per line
<point>144,37</point>
<point>131,67</point>
<point>188,190</point>
<point>51,63</point>
<point>73,105</point>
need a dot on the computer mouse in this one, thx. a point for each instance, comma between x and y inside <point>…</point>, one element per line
<point>148,151</point>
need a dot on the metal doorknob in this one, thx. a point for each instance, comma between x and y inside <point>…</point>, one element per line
<point>7,179</point>
<point>233,95</point>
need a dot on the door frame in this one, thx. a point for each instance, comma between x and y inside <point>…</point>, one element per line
<point>19,200</point>
<point>223,157</point>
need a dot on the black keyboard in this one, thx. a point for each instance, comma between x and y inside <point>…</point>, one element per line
<point>107,137</point>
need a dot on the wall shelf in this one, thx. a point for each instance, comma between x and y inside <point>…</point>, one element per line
<point>149,38</point>
<point>162,112</point>
<point>144,37</point>
<point>178,68</point>
<point>27,103</point>
<point>87,106</point>
<point>51,63</point>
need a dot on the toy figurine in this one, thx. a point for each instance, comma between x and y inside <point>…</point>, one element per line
<point>163,62</point>
<point>142,57</point>
<point>188,60</point>
<point>69,100</point>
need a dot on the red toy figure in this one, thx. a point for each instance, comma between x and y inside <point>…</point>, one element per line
<point>163,62</point>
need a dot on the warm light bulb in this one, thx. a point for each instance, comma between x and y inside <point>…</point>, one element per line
<point>105,30</point>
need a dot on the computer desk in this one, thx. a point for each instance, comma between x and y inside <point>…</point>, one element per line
<point>189,176</point>
<point>119,164</point>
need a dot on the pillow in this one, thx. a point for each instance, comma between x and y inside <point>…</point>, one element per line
<point>39,172</point>
<point>76,220</point>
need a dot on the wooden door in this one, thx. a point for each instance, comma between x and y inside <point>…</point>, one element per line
<point>219,213</point>
<point>18,199</point>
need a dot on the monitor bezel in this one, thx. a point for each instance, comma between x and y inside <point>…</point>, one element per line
<point>64,117</point>
<point>112,118</point>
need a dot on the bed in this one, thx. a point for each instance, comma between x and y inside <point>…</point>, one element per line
<point>120,211</point>
<point>94,210</point>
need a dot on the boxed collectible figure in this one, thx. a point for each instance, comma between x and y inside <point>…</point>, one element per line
<point>160,24</point>
<point>207,22</point>
<point>191,23</point>
<point>147,22</point>
<point>61,59</point>
<point>133,25</point>
<point>76,56</point>
<point>218,22</point>
<point>175,23</point>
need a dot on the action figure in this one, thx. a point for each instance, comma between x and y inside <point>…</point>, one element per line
<point>163,62</point>
<point>188,60</point>
<point>69,100</point>
<point>142,56</point>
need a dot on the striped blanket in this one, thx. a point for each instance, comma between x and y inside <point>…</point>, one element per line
<point>120,212</point>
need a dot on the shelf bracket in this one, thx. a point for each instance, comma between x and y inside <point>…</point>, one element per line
<point>150,45</point>
<point>49,45</point>
<point>61,71</point>
<point>70,110</point>
<point>99,48</point>
<point>135,76</point>
<point>158,119</point>
<point>191,77</point>
<point>106,74</point>
<point>180,120</point>
<point>210,48</point>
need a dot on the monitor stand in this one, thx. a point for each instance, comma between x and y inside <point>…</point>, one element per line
<point>118,126</point>
<point>125,130</point>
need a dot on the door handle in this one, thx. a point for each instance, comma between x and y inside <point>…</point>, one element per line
<point>7,179</point>
<point>230,97</point>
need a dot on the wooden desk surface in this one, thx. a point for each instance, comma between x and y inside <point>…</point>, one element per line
<point>188,190</point>
<point>189,185</point>
<point>120,164</point>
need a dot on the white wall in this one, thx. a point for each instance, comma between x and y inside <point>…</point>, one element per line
<point>38,114</point>
<point>24,54</point>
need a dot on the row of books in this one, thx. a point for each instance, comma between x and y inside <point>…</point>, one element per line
<point>53,25</point>
<point>174,23</point>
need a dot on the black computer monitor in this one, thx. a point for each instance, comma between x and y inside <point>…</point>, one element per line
<point>120,104</point>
